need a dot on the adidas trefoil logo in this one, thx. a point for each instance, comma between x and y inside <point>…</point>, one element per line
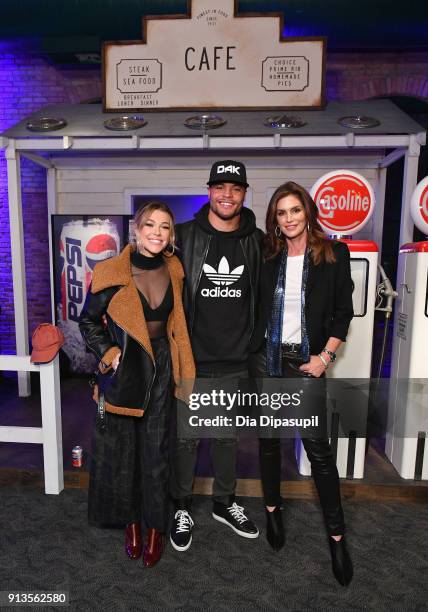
<point>222,278</point>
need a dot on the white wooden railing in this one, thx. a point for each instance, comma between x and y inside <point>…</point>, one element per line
<point>50,433</point>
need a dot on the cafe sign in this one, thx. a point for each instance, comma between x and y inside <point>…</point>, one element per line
<point>213,58</point>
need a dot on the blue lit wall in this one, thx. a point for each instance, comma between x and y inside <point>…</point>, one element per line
<point>183,206</point>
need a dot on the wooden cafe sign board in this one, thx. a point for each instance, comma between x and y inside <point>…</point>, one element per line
<point>213,58</point>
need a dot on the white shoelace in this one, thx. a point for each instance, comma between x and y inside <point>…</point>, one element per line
<point>238,513</point>
<point>184,521</point>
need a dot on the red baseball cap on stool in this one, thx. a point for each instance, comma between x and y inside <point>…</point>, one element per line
<point>47,340</point>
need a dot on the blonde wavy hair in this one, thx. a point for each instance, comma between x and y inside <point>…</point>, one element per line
<point>144,212</point>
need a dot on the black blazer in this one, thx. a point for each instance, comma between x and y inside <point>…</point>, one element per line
<point>328,299</point>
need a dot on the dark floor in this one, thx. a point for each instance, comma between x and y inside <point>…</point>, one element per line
<point>49,546</point>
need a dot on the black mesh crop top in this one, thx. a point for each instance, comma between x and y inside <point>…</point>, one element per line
<point>151,277</point>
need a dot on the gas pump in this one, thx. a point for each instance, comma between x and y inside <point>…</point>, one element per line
<point>408,403</point>
<point>345,202</point>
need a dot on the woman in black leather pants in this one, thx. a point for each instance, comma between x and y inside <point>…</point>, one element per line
<point>305,311</point>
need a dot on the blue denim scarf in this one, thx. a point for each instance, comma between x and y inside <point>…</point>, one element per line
<point>274,326</point>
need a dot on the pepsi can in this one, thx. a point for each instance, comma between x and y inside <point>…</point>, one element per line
<point>76,456</point>
<point>82,244</point>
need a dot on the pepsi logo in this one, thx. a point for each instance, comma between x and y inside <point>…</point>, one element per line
<point>345,201</point>
<point>100,247</point>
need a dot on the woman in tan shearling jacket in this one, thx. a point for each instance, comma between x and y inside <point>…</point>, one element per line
<point>134,322</point>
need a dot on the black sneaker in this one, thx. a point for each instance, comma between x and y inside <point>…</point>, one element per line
<point>181,531</point>
<point>234,516</point>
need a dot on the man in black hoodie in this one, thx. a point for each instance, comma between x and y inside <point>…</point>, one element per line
<point>220,252</point>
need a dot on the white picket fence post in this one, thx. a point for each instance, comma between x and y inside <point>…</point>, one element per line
<point>50,433</point>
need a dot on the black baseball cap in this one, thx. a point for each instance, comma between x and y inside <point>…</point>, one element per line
<point>228,171</point>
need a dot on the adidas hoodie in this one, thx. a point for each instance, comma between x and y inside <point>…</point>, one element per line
<point>221,330</point>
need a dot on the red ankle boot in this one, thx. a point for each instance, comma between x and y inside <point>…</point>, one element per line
<point>133,544</point>
<point>153,548</point>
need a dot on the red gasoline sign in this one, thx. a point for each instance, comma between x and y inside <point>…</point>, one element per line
<point>345,201</point>
<point>419,206</point>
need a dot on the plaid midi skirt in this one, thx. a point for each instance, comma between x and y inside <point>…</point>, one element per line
<point>129,471</point>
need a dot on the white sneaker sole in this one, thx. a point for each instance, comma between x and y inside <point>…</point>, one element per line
<point>244,534</point>
<point>180,548</point>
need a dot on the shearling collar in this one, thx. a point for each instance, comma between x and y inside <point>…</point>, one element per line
<point>125,306</point>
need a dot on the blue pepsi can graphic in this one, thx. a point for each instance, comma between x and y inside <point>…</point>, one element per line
<point>82,244</point>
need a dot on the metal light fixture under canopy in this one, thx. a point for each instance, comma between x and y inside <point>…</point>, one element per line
<point>125,123</point>
<point>46,124</point>
<point>204,122</point>
<point>357,122</point>
<point>284,122</point>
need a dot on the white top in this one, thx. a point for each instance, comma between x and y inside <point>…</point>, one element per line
<point>292,317</point>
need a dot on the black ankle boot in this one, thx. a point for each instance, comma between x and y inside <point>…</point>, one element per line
<point>341,561</point>
<point>275,529</point>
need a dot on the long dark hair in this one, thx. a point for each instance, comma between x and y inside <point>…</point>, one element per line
<point>318,242</point>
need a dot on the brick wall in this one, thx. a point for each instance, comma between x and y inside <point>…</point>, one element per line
<point>28,83</point>
<point>359,76</point>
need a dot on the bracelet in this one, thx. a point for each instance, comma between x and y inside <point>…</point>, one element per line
<point>332,355</point>
<point>325,363</point>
